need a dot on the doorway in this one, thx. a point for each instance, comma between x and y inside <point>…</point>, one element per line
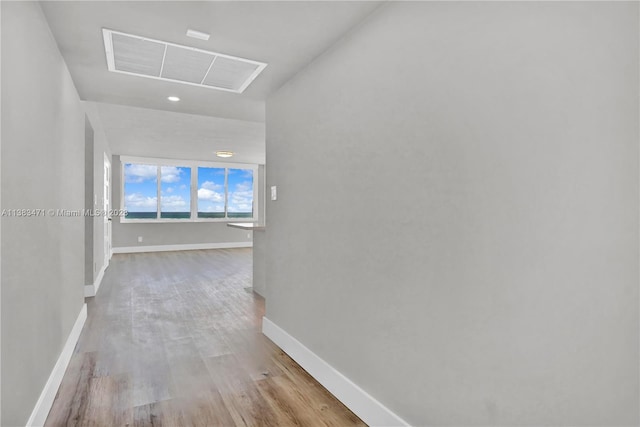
<point>106,197</point>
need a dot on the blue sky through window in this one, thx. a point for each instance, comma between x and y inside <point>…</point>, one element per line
<point>141,190</point>
<point>175,192</point>
<point>210,192</point>
<point>240,189</point>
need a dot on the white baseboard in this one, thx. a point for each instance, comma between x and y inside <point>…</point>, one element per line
<point>92,290</point>
<point>43,406</point>
<point>346,391</point>
<point>195,246</point>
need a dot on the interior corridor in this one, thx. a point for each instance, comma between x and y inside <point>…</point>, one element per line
<point>173,339</point>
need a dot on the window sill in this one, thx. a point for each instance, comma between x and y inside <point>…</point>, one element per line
<point>187,221</point>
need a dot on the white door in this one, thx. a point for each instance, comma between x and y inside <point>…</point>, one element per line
<point>106,197</point>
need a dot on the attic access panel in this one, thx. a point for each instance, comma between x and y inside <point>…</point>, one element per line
<point>156,59</point>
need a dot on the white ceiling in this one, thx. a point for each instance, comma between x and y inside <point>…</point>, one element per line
<point>164,134</point>
<point>287,35</point>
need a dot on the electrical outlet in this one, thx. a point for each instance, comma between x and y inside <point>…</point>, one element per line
<point>248,235</point>
<point>139,239</point>
<point>274,192</point>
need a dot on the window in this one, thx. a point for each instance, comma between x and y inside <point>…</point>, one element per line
<point>239,193</point>
<point>141,191</point>
<point>189,191</point>
<point>211,192</point>
<point>175,192</point>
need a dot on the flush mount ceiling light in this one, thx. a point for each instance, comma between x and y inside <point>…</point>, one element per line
<point>173,98</point>
<point>155,59</point>
<point>197,34</point>
<point>224,154</point>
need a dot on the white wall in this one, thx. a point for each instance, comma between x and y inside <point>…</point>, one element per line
<point>456,227</point>
<point>259,240</point>
<point>89,135</point>
<point>42,168</point>
<point>0,221</point>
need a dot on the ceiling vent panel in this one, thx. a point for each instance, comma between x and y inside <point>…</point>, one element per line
<point>144,57</point>
<point>229,73</point>
<point>137,56</point>
<point>186,64</point>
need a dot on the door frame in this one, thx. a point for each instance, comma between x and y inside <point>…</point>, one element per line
<point>106,204</point>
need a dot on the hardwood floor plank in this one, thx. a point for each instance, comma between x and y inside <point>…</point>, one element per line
<point>165,413</point>
<point>248,408</point>
<point>206,409</point>
<point>286,413</point>
<point>105,403</point>
<point>74,391</point>
<point>174,339</point>
<point>190,377</point>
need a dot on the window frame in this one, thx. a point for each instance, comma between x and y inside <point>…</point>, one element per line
<point>194,165</point>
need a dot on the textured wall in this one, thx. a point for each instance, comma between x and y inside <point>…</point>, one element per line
<point>456,227</point>
<point>43,168</point>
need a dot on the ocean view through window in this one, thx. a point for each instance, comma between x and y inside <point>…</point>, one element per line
<point>175,192</point>
<point>240,193</point>
<point>156,190</point>
<point>141,191</point>
<point>211,192</point>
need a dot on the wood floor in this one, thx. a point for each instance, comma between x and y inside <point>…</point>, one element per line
<point>173,339</point>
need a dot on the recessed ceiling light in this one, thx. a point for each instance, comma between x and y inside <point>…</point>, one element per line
<point>197,34</point>
<point>224,153</point>
<point>173,98</point>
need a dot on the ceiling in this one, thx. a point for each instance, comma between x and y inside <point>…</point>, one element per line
<point>134,111</point>
<point>286,35</point>
<point>145,132</point>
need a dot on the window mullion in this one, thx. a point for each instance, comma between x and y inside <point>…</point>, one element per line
<point>159,195</point>
<point>226,192</point>
<point>194,192</point>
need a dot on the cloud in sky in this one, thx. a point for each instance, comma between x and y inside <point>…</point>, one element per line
<point>244,187</point>
<point>208,195</point>
<point>208,185</point>
<point>241,199</point>
<point>170,174</point>
<point>137,202</point>
<point>211,192</point>
<point>136,174</point>
<point>173,204</point>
